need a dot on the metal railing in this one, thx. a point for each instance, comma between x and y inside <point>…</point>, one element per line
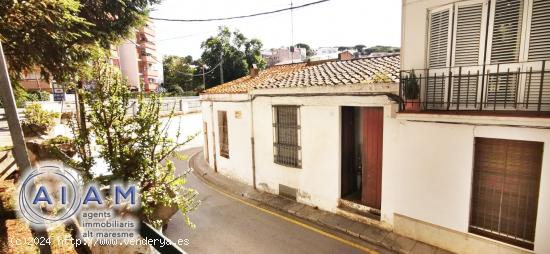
<point>515,87</point>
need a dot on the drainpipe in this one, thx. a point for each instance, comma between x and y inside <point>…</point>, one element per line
<point>252,144</point>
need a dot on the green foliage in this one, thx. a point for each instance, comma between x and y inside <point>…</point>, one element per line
<point>411,89</point>
<point>239,53</point>
<point>360,47</point>
<point>381,49</point>
<point>136,147</point>
<point>178,74</point>
<point>381,78</point>
<point>58,140</point>
<point>61,36</point>
<point>309,52</point>
<point>36,95</point>
<point>38,119</point>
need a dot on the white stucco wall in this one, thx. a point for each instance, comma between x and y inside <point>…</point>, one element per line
<point>239,164</point>
<point>318,181</point>
<point>428,169</point>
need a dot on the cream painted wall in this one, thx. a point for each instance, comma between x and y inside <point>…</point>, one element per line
<point>239,164</point>
<point>427,173</point>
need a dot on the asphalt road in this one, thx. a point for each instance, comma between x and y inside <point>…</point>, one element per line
<point>225,225</point>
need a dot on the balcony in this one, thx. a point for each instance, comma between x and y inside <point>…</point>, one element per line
<point>502,89</point>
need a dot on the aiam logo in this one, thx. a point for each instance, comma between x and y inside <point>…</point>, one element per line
<point>50,195</point>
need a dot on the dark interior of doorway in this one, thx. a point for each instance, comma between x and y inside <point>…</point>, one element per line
<point>351,154</point>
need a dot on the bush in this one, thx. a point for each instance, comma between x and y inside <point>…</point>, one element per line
<point>38,120</point>
<point>38,96</point>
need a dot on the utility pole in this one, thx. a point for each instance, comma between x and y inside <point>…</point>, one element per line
<point>221,65</point>
<point>10,109</point>
<point>203,78</point>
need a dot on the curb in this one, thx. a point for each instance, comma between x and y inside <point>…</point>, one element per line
<point>371,234</point>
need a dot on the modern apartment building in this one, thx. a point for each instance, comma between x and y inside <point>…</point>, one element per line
<point>148,60</point>
<point>138,60</point>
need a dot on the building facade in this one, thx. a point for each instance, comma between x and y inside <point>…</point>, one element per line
<point>138,60</point>
<point>452,151</point>
<point>305,130</point>
<point>282,56</point>
<point>470,148</point>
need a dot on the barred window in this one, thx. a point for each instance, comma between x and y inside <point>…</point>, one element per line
<point>286,136</point>
<point>224,140</point>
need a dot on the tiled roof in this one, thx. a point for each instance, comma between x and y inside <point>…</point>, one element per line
<point>246,83</point>
<point>331,73</point>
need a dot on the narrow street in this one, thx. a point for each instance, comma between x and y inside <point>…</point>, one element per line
<point>226,225</point>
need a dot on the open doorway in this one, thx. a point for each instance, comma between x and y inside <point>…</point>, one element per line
<point>361,169</point>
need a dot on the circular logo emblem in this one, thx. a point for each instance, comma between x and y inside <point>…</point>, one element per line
<point>48,195</point>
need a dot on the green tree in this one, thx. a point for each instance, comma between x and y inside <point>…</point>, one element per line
<point>61,36</point>
<point>309,52</point>
<point>238,52</point>
<point>136,147</point>
<point>382,49</point>
<point>360,47</point>
<point>178,74</point>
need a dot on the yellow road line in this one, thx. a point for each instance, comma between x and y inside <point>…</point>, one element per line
<point>301,224</point>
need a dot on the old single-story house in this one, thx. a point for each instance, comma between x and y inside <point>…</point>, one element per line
<point>304,130</point>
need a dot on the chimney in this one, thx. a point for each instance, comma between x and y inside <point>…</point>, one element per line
<point>346,55</point>
<point>253,72</point>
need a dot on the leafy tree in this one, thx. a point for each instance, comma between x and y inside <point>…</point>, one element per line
<point>381,49</point>
<point>344,48</point>
<point>309,52</point>
<point>61,36</point>
<point>178,74</point>
<point>239,53</point>
<point>136,147</point>
<point>360,47</point>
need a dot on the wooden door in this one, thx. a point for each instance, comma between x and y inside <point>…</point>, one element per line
<point>373,124</point>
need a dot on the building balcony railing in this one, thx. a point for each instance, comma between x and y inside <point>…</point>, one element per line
<point>518,88</point>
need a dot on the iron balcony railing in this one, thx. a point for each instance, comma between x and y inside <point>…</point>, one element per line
<point>512,87</point>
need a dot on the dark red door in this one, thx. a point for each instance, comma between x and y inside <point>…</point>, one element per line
<point>373,123</point>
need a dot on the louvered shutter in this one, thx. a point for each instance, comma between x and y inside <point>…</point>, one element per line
<point>438,43</point>
<point>539,41</point>
<point>469,39</point>
<point>505,190</point>
<point>468,34</point>
<point>506,36</point>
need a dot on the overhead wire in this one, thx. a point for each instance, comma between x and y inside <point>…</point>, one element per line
<point>241,16</point>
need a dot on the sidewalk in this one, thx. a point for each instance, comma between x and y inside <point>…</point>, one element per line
<point>369,233</point>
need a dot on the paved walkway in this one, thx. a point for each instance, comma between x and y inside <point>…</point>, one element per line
<point>368,233</point>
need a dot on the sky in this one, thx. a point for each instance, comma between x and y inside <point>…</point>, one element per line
<point>333,23</point>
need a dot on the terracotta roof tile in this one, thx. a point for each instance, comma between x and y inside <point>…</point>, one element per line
<point>246,83</point>
<point>331,73</point>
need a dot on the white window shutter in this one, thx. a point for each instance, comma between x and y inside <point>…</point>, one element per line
<point>438,41</point>
<point>539,41</point>
<point>507,28</point>
<point>468,34</point>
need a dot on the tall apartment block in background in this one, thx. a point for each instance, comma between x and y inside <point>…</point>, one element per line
<point>138,60</point>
